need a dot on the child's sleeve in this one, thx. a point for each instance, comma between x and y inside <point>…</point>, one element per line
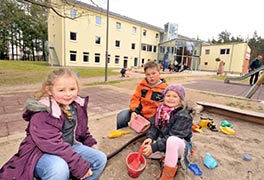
<point>135,105</point>
<point>182,126</point>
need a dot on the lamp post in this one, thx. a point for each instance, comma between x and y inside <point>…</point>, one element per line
<point>106,41</point>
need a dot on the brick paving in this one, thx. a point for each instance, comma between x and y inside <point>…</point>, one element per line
<point>101,101</point>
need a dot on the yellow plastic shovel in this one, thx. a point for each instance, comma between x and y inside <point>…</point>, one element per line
<point>227,130</point>
<point>117,133</point>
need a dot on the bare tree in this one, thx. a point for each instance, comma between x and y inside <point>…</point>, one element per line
<point>56,6</point>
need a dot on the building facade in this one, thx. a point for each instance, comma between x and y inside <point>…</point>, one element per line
<point>235,55</point>
<point>81,41</point>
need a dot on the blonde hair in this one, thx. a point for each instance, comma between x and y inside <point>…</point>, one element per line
<point>49,82</point>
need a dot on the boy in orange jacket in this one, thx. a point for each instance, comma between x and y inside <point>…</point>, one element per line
<point>146,97</point>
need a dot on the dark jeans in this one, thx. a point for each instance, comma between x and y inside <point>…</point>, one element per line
<point>254,78</point>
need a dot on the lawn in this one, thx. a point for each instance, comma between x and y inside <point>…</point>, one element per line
<point>29,72</point>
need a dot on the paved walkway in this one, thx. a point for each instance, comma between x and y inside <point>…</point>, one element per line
<point>233,89</point>
<point>104,99</point>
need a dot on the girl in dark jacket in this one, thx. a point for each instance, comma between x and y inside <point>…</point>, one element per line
<point>171,131</point>
<point>58,143</point>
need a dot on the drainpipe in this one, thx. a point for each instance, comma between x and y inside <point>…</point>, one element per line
<point>64,43</point>
<point>231,58</point>
<point>139,50</point>
<point>244,58</point>
<point>106,42</point>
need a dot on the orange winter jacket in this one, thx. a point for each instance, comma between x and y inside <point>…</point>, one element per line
<point>145,99</point>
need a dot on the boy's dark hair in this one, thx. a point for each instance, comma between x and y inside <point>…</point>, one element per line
<point>151,64</point>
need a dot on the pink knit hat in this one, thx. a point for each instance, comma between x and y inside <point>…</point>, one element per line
<point>178,88</point>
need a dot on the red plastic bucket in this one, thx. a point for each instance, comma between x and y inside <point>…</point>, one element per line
<point>134,173</point>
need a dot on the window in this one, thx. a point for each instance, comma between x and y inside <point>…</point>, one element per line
<point>157,35</point>
<point>154,48</point>
<point>73,36</point>
<point>117,43</point>
<point>162,49</point>
<point>134,30</point>
<point>85,57</point>
<point>73,55</point>
<point>135,62</point>
<point>73,13</point>
<point>172,50</point>
<point>118,25</point>
<point>97,58</point>
<point>224,51</point>
<point>142,61</point>
<point>97,40</point>
<point>207,51</point>
<point>117,59</point>
<point>108,58</point>
<point>144,32</point>
<point>149,48</point>
<point>143,47</point>
<point>98,20</point>
<point>133,46</point>
<point>168,49</point>
<point>205,63</point>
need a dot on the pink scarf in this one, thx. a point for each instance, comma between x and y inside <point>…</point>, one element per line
<point>163,114</point>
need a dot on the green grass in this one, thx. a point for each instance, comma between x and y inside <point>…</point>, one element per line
<point>30,72</point>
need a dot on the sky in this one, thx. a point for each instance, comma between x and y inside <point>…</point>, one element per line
<point>195,18</point>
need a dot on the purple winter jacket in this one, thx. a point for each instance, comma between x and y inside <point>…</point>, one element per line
<point>44,135</point>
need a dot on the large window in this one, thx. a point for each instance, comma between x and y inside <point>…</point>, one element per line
<point>224,51</point>
<point>73,55</point>
<point>73,36</point>
<point>85,57</point>
<point>97,58</point>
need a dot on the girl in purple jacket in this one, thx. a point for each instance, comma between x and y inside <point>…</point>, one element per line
<point>58,143</point>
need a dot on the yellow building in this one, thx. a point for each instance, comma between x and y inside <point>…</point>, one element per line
<point>235,55</point>
<point>81,41</point>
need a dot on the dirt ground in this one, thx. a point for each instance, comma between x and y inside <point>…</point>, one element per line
<point>228,150</point>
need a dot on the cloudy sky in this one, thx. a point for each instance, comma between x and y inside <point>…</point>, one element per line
<point>202,18</point>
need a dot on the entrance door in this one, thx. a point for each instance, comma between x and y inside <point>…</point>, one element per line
<point>125,63</point>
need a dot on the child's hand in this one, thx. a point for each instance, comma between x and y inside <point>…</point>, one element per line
<point>133,116</point>
<point>95,146</point>
<point>88,174</point>
<point>147,141</point>
<point>147,151</point>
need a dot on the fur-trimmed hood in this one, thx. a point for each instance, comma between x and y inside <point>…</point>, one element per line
<point>46,104</point>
